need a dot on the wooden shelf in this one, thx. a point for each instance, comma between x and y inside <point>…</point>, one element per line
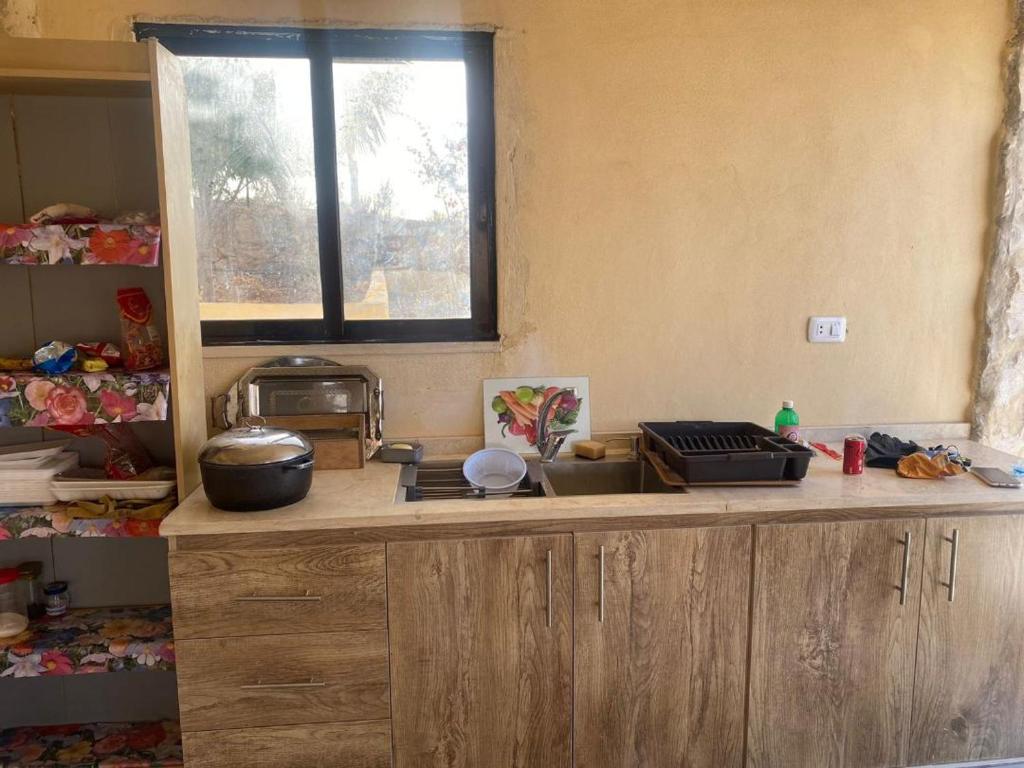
<point>112,396</point>
<point>74,67</point>
<point>126,745</point>
<point>91,640</point>
<point>35,522</point>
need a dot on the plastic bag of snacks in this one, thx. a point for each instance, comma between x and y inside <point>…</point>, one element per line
<point>140,340</point>
<point>126,456</point>
<point>102,350</point>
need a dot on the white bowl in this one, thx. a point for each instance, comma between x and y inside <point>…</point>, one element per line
<point>495,470</point>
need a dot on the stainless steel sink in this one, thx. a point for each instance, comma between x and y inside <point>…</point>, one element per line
<point>596,478</point>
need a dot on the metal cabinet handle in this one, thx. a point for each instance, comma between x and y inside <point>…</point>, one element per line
<point>551,607</point>
<point>600,584</point>
<point>254,598</point>
<point>261,686</point>
<point>954,553</point>
<point>905,574</point>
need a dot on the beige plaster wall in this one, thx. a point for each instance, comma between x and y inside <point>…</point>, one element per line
<point>683,182</point>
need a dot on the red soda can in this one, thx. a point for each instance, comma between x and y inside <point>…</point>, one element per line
<point>854,448</point>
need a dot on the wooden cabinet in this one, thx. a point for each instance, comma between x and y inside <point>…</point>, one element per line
<point>326,745</point>
<point>969,690</point>
<point>661,642</point>
<point>228,593</point>
<point>481,652</point>
<point>238,682</point>
<point>833,637</point>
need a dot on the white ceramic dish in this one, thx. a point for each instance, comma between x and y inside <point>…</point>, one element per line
<point>79,485</point>
<point>31,452</point>
<point>31,485</point>
<point>497,471</point>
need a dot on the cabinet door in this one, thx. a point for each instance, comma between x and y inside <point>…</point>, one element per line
<point>969,691</point>
<point>832,643</point>
<point>180,264</point>
<point>481,652</point>
<point>661,641</point>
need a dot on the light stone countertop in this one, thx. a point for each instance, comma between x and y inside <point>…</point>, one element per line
<point>366,499</point>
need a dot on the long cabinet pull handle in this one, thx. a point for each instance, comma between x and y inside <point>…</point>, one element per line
<point>600,584</point>
<point>905,573</point>
<point>954,553</point>
<point>261,686</point>
<point>254,598</point>
<point>551,607</point>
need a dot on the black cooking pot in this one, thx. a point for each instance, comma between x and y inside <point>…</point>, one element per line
<point>253,467</point>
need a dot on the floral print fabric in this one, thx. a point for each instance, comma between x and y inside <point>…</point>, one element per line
<point>90,640</point>
<point>103,243</point>
<point>43,522</point>
<point>75,398</point>
<point>99,745</point>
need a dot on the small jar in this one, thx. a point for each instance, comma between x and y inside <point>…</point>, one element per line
<point>13,616</point>
<point>57,598</point>
<point>29,574</point>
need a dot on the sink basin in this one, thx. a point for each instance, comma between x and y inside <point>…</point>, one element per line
<point>586,478</point>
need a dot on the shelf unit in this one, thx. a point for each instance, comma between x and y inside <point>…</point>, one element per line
<point>103,124</point>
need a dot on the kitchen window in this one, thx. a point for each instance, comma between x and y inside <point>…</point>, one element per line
<point>343,182</point>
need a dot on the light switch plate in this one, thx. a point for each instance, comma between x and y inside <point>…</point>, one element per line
<point>826,330</point>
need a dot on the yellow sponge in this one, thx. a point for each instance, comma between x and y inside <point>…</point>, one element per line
<point>589,449</point>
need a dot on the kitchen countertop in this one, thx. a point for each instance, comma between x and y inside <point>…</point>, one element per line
<point>363,502</point>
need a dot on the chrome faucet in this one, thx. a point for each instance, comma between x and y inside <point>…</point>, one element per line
<point>550,442</point>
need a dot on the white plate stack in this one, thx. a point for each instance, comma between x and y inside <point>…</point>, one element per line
<point>26,471</point>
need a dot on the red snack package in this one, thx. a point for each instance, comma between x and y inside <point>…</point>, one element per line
<point>104,350</point>
<point>140,340</point>
<point>126,455</point>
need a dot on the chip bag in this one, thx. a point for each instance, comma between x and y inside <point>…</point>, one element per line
<point>141,346</point>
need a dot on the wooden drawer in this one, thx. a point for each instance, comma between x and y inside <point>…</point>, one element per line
<point>278,591</point>
<point>327,745</point>
<point>282,680</point>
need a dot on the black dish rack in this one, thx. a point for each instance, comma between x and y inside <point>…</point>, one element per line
<point>725,452</point>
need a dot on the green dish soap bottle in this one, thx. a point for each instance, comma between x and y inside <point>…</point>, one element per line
<point>787,422</point>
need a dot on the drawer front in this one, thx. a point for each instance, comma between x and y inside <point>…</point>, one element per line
<point>326,745</point>
<point>247,682</point>
<point>278,591</point>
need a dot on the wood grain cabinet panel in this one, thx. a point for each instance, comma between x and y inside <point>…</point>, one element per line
<point>481,659</point>
<point>969,691</point>
<point>278,591</point>
<point>282,680</point>
<point>661,648</point>
<point>326,745</point>
<point>832,647</point>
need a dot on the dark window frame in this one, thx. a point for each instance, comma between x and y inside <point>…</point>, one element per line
<point>321,47</point>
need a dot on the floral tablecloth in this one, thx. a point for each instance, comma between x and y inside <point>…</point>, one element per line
<point>97,745</point>
<point>34,400</point>
<point>102,243</point>
<point>43,522</point>
<point>89,640</point>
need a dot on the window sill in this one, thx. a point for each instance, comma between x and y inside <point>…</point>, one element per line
<point>353,350</point>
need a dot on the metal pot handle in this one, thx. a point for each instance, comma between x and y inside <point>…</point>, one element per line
<point>304,465</point>
<point>220,411</point>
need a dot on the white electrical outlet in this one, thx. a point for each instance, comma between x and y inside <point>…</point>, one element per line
<point>826,330</point>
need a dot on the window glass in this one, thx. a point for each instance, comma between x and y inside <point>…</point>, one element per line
<point>254,187</point>
<point>403,189</point>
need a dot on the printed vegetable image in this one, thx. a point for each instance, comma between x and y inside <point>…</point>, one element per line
<point>518,410</point>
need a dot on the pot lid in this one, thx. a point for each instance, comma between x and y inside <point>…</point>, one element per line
<point>254,443</point>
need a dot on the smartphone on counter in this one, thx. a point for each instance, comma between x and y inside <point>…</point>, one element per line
<point>997,478</point>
